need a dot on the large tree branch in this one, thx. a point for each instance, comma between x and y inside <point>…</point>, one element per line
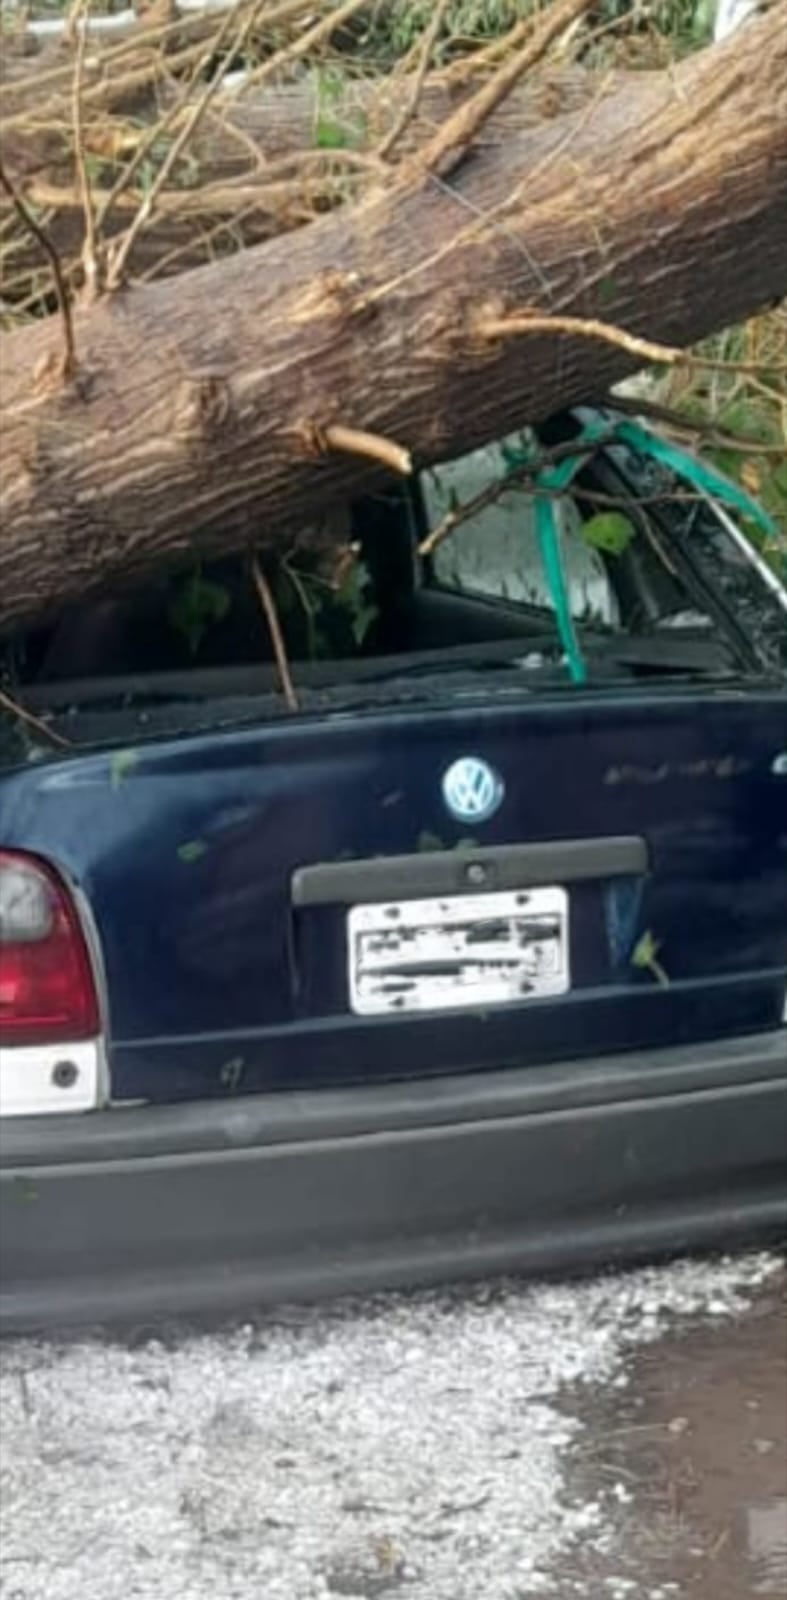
<point>199,403</point>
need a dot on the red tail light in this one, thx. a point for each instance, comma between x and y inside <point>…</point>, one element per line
<point>47,989</point>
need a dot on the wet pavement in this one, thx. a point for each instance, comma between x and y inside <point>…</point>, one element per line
<point>690,1461</point>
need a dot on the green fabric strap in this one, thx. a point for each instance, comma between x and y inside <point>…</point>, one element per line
<point>551,479</point>
<point>695,472</point>
<point>548,535</point>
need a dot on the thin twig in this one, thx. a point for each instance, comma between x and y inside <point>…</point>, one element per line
<point>90,265</point>
<point>494,491</point>
<point>521,477</point>
<point>691,427</point>
<point>160,129</point>
<point>43,193</point>
<point>114,81</point>
<point>315,35</point>
<point>206,241</point>
<point>122,251</point>
<point>23,715</point>
<point>408,111</point>
<point>242,185</point>
<point>487,56</point>
<point>268,604</point>
<point>42,238</point>
<point>591,328</point>
<point>598,497</point>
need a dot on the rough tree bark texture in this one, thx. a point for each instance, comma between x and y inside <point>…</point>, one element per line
<point>199,402</point>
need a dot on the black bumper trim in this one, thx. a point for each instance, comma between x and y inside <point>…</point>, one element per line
<point>215,1208</point>
<point>295,1116</point>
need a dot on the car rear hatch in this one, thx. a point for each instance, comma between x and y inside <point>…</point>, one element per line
<point>492,880</point>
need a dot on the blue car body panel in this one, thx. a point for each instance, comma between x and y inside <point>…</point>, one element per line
<point>218,982</point>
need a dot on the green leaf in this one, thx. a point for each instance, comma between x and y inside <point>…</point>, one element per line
<point>330,86</point>
<point>645,956</point>
<point>645,951</point>
<point>94,168</point>
<point>362,622</point>
<point>609,531</point>
<point>231,1073</point>
<point>779,477</point>
<point>353,598</point>
<point>329,135</point>
<point>192,850</point>
<point>195,605</point>
<point>336,125</point>
<point>350,593</point>
<point>146,177</point>
<point>745,417</point>
<point>121,764</point>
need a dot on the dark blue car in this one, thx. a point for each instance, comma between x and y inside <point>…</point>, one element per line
<point>475,960</point>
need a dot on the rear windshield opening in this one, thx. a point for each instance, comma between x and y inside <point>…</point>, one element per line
<point>435,577</point>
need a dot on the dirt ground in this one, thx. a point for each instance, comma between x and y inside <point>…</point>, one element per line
<point>694,1452</point>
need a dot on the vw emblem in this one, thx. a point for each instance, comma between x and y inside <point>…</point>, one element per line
<point>472,790</point>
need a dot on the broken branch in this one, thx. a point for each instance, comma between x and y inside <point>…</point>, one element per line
<point>427,44</point>
<point>444,152</point>
<point>644,349</point>
<point>265,594</point>
<point>90,266</point>
<point>21,714</point>
<point>356,442</point>
<point>42,238</point>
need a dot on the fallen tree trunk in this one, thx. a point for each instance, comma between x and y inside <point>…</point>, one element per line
<point>200,407</point>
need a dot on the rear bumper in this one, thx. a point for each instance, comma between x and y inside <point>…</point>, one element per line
<point>213,1208</point>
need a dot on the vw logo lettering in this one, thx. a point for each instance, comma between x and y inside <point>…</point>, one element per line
<point>472,790</point>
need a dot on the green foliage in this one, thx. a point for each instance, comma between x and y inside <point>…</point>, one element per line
<point>750,415</point>
<point>324,619</point>
<point>353,599</point>
<point>645,957</point>
<point>95,169</point>
<point>185,175</point>
<point>122,763</point>
<point>609,531</point>
<point>338,125</point>
<point>329,135</point>
<point>193,850</point>
<point>689,22</point>
<point>686,23</point>
<point>396,25</point>
<point>195,605</point>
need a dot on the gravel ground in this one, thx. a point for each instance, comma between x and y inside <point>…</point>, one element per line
<point>392,1449</point>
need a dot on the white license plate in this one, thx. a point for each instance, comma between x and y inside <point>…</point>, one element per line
<point>458,952</point>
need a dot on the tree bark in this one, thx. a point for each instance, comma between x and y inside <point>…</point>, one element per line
<point>199,405</point>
